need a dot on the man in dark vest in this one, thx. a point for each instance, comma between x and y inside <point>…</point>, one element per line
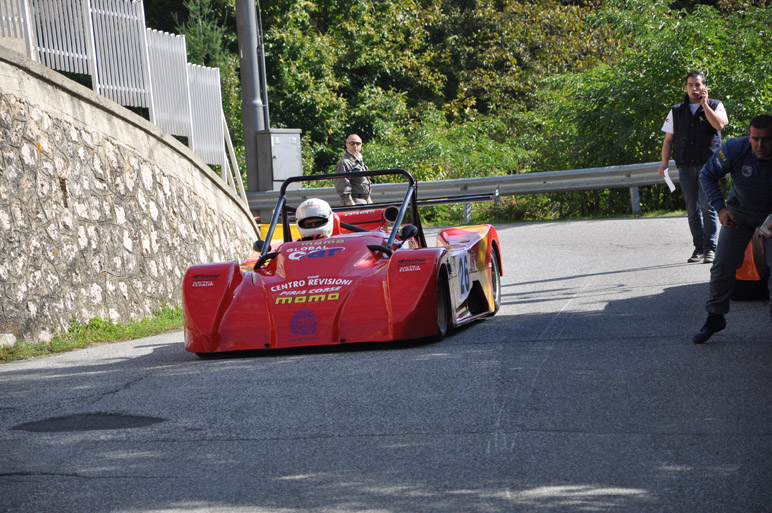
<point>693,132</point>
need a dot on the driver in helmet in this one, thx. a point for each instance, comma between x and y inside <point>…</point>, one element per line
<point>314,219</point>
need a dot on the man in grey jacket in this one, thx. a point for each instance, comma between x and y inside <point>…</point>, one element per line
<point>354,190</point>
<point>748,160</point>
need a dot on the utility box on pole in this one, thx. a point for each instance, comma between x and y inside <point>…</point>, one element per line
<point>278,157</point>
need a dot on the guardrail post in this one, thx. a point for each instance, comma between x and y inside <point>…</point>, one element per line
<point>635,200</point>
<point>467,213</point>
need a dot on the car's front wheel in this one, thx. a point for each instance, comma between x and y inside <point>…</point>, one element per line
<point>443,306</point>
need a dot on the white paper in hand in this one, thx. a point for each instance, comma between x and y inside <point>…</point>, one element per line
<point>668,181</point>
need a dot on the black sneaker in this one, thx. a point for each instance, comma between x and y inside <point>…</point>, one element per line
<point>708,257</point>
<point>713,324</point>
<point>696,256</point>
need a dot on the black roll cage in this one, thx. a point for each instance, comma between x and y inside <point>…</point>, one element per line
<point>410,201</point>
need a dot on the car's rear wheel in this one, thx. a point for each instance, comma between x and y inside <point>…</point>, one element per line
<point>495,281</point>
<point>443,306</point>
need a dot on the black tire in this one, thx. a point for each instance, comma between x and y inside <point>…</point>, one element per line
<point>757,247</point>
<point>495,281</point>
<point>443,306</point>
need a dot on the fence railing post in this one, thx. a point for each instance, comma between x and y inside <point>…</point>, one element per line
<point>88,28</point>
<point>29,34</point>
<point>635,200</point>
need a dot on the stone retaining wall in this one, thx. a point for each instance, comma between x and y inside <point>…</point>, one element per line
<point>101,212</point>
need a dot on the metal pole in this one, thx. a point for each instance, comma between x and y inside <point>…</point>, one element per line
<point>263,73</point>
<point>251,102</point>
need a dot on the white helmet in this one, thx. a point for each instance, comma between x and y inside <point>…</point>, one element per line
<point>314,217</point>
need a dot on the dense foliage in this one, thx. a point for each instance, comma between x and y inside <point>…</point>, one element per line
<point>463,88</point>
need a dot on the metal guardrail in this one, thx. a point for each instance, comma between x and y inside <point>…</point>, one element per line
<point>614,177</point>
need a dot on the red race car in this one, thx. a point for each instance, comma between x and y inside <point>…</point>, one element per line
<point>361,274</point>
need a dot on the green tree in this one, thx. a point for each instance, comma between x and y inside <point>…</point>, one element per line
<point>494,52</point>
<point>613,114</point>
<point>337,67</point>
<point>435,149</point>
<point>471,87</point>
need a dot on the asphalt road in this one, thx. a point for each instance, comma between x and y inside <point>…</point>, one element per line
<point>583,394</point>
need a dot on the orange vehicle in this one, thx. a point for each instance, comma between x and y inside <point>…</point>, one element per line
<point>751,278</point>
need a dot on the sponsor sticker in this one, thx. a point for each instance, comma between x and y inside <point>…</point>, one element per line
<point>357,213</point>
<point>747,171</point>
<point>321,290</point>
<point>204,280</point>
<point>306,298</point>
<point>297,254</point>
<point>303,323</point>
<point>206,276</point>
<point>313,281</point>
<point>410,264</point>
<point>411,261</point>
<point>321,242</point>
<point>287,285</point>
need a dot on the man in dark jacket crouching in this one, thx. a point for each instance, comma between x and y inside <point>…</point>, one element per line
<point>749,162</point>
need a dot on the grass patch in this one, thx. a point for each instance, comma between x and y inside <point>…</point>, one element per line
<point>96,330</point>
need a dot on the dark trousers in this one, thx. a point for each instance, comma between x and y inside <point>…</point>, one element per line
<point>729,257</point>
<point>703,219</point>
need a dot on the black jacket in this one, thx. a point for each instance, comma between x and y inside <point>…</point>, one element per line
<point>694,138</point>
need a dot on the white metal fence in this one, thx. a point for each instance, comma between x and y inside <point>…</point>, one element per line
<point>171,86</point>
<point>59,36</point>
<point>122,71</point>
<point>205,94</point>
<point>131,64</point>
<point>14,17</point>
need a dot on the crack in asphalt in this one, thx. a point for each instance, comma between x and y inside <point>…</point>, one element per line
<point>123,388</point>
